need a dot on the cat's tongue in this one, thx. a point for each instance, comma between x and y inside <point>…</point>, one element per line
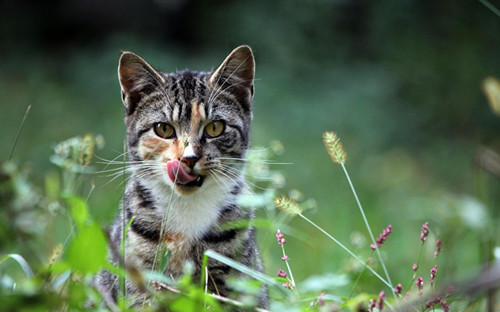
<point>174,169</point>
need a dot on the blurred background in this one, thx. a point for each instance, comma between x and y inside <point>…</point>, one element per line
<point>398,81</point>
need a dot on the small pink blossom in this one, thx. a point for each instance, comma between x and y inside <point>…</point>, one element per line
<point>420,283</point>
<point>373,304</point>
<point>321,300</point>
<point>425,232</point>
<point>445,306</point>
<point>287,285</point>
<point>382,237</point>
<point>281,273</point>
<point>284,258</point>
<point>438,248</point>
<point>415,267</point>
<point>380,302</point>
<point>433,273</point>
<point>280,238</point>
<point>398,289</point>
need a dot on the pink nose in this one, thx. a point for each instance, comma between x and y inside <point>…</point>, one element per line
<point>190,160</point>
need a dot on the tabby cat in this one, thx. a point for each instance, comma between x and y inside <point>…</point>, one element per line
<point>187,133</point>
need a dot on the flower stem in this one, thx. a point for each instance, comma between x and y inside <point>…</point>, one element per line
<point>368,228</point>
<point>346,249</point>
<point>288,266</point>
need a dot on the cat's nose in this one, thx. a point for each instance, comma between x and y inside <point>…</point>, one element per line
<point>190,160</point>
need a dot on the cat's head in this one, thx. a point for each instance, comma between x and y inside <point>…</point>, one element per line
<point>188,129</point>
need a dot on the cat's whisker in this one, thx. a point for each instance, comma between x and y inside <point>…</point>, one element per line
<point>217,179</point>
<point>264,161</point>
<point>236,174</point>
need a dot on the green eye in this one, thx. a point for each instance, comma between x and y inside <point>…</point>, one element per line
<point>214,129</point>
<point>164,130</point>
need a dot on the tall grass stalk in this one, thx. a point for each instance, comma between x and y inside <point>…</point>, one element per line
<point>374,242</point>
<point>347,249</point>
<point>288,267</point>
<point>19,132</point>
<point>336,150</point>
<point>491,7</point>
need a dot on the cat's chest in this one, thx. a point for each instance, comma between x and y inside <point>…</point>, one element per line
<point>190,216</point>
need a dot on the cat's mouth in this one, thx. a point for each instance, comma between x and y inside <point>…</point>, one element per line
<point>180,177</point>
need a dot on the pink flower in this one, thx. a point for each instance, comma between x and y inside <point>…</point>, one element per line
<point>380,302</point>
<point>438,248</point>
<point>382,237</point>
<point>445,306</point>
<point>415,267</point>
<point>287,285</point>
<point>398,289</point>
<point>433,273</point>
<point>373,304</point>
<point>425,232</point>
<point>420,283</point>
<point>281,273</point>
<point>284,258</point>
<point>321,300</point>
<point>280,238</point>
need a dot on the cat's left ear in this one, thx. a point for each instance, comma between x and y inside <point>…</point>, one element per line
<point>236,75</point>
<point>137,78</point>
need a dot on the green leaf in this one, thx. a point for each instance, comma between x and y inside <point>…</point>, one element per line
<point>79,211</point>
<point>22,263</point>
<point>87,251</point>
<point>317,283</point>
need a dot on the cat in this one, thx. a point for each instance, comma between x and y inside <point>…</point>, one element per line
<point>187,134</point>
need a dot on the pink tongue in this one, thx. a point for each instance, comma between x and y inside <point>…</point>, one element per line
<point>174,169</point>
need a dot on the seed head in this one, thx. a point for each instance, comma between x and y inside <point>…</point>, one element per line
<point>287,205</point>
<point>334,147</point>
<point>491,87</point>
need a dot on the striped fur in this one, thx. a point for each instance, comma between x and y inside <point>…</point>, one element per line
<point>195,214</point>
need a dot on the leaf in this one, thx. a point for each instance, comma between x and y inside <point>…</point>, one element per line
<point>318,283</point>
<point>78,208</point>
<point>22,263</point>
<point>87,251</point>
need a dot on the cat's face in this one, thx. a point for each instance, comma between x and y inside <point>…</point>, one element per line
<point>188,129</point>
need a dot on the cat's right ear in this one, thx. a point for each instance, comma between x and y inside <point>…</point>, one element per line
<point>137,78</point>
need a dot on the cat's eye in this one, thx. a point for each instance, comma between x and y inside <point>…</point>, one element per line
<point>164,130</point>
<point>214,129</point>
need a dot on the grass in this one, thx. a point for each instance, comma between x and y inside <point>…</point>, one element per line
<point>64,282</point>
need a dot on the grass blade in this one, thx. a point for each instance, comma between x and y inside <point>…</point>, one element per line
<point>246,270</point>
<point>22,263</point>
<point>19,132</point>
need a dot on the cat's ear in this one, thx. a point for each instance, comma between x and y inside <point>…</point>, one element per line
<point>236,75</point>
<point>137,78</point>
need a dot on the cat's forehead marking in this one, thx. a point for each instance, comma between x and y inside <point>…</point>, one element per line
<point>175,114</point>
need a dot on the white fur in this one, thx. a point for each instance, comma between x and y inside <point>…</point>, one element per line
<point>193,214</point>
<point>189,152</point>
